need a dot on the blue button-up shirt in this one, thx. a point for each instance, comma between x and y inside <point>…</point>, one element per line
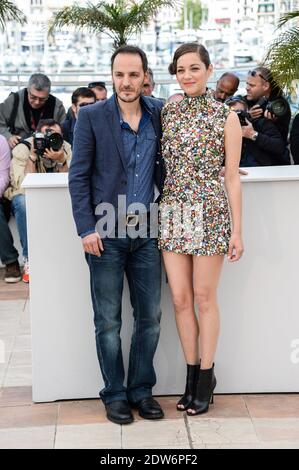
<point>140,149</point>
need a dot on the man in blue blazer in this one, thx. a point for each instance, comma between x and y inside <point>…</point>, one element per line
<point>116,153</point>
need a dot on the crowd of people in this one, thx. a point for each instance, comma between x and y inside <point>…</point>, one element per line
<point>264,115</point>
<point>129,145</point>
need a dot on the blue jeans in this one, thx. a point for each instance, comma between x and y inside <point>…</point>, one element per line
<point>18,208</point>
<point>140,260</point>
<point>8,253</point>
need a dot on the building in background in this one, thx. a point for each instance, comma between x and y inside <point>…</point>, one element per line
<point>236,33</point>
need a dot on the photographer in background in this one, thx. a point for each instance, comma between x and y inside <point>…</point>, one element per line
<point>21,112</point>
<point>45,152</point>
<point>294,140</point>
<point>265,99</point>
<point>8,253</point>
<point>262,143</point>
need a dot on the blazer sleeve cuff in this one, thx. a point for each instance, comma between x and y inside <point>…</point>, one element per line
<point>84,234</point>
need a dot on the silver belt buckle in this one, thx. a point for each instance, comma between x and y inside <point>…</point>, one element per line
<point>132,220</point>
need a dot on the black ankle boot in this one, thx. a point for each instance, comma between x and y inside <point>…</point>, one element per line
<point>203,396</point>
<point>186,400</point>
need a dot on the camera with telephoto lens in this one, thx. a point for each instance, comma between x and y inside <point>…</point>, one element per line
<point>49,140</point>
<point>276,107</point>
<point>243,115</point>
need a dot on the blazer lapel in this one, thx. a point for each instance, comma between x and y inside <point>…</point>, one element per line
<point>114,124</point>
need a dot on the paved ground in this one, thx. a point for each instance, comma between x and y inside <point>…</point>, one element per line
<point>234,421</point>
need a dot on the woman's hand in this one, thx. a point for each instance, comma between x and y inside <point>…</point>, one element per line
<point>236,248</point>
<point>241,171</point>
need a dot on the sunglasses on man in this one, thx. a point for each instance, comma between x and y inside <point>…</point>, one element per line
<point>83,104</point>
<point>97,84</point>
<point>256,73</point>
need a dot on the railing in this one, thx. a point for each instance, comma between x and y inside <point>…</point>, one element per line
<point>77,77</point>
<point>63,84</point>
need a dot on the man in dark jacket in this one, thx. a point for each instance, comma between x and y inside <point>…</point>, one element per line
<point>82,96</point>
<point>294,140</point>
<point>21,112</point>
<point>116,156</point>
<point>262,144</point>
<point>260,84</point>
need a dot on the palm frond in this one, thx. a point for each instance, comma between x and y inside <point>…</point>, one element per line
<point>283,58</point>
<point>80,17</point>
<point>10,12</point>
<point>118,20</point>
<point>287,17</point>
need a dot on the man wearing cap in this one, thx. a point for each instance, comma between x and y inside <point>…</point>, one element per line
<point>99,89</point>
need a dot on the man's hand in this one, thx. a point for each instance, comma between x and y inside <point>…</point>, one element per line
<point>14,140</point>
<point>93,244</point>
<point>270,116</point>
<point>248,131</point>
<point>256,111</point>
<point>57,156</point>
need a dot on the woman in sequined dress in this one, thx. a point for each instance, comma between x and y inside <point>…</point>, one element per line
<point>196,229</point>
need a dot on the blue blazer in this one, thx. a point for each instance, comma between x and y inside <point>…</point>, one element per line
<point>98,171</point>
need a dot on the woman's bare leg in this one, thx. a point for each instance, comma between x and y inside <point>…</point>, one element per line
<point>179,270</point>
<point>206,274</point>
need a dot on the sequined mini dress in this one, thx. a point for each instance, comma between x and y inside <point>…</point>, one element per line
<point>194,210</point>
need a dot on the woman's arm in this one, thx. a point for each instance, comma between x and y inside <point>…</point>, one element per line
<point>233,144</point>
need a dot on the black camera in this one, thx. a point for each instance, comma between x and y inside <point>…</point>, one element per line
<point>276,107</point>
<point>243,115</point>
<point>48,140</point>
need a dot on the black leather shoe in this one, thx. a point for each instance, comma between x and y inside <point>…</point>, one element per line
<point>148,408</point>
<point>119,412</point>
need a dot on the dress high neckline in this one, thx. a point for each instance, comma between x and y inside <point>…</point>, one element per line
<point>199,98</point>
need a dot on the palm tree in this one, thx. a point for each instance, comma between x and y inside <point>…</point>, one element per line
<point>282,57</point>
<point>10,12</point>
<point>119,20</point>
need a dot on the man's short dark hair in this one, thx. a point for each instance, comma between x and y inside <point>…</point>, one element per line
<point>236,99</point>
<point>47,122</point>
<point>82,92</point>
<point>131,50</point>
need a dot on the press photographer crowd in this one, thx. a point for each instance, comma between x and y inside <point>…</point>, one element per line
<point>36,136</point>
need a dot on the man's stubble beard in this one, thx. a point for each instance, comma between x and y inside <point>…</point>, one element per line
<point>130,100</point>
